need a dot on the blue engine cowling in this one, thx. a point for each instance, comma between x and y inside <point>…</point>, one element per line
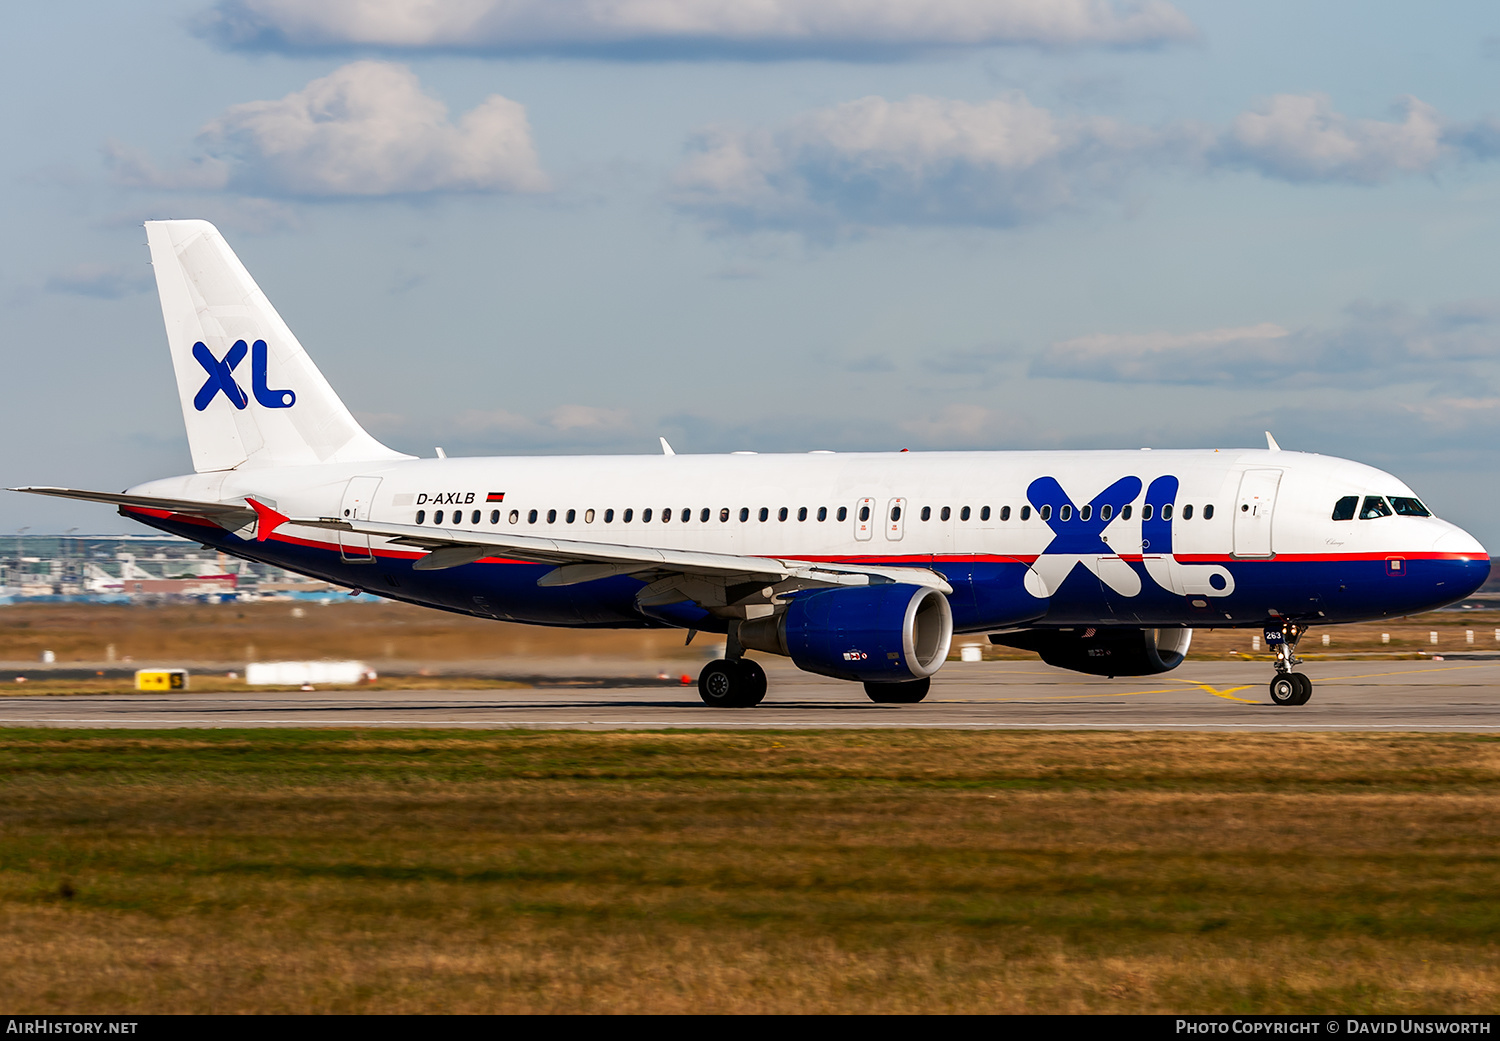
<point>885,633</point>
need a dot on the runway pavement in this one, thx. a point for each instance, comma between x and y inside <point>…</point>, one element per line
<point>1452,695</point>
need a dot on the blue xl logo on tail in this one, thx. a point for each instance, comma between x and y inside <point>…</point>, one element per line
<point>221,377</point>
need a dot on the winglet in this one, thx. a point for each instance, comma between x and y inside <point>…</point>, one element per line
<point>1271,442</point>
<point>267,520</point>
<point>666,449</point>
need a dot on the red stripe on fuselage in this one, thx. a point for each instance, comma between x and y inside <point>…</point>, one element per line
<point>164,515</point>
<point>1297,558</point>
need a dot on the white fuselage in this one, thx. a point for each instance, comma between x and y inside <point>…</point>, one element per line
<point>1249,509</point>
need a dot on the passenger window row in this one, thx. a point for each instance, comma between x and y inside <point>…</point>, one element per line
<point>1375,506</point>
<point>706,514</point>
<point>964,513</point>
<point>1065,513</point>
<point>627,516</point>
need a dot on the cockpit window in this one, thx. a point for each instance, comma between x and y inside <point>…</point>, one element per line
<point>1406,507</point>
<point>1374,507</point>
<point>1345,507</point>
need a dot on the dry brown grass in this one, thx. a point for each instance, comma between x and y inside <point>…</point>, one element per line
<point>217,683</point>
<point>705,872</point>
<point>281,630</point>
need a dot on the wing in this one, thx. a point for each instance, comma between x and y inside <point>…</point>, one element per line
<point>672,575</point>
<point>231,516</point>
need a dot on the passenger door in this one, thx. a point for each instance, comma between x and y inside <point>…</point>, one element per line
<point>1252,513</point>
<point>359,496</point>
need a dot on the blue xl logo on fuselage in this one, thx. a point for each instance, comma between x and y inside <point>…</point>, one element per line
<point>221,377</point>
<point>1078,540</point>
<point>1083,535</point>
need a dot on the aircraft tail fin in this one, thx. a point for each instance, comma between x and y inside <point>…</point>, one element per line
<point>251,396</point>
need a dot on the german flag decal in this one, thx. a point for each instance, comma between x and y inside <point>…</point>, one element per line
<point>495,497</point>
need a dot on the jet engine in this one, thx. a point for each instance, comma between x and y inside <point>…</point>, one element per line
<point>1104,651</point>
<point>885,633</point>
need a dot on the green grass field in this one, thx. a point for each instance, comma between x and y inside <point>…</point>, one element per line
<point>359,871</point>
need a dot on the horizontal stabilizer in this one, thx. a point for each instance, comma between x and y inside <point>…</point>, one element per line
<point>231,516</point>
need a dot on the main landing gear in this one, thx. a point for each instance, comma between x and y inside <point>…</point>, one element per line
<point>1288,688</point>
<point>733,681</point>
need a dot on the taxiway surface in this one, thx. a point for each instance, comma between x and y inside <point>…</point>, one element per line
<point>1454,695</point>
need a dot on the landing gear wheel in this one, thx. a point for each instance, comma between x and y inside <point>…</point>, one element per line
<point>908,693</point>
<point>1284,690</point>
<point>1306,687</point>
<point>754,678</point>
<point>1292,688</point>
<point>732,683</point>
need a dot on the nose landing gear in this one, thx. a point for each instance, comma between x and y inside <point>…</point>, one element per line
<point>1291,689</point>
<point>1288,688</point>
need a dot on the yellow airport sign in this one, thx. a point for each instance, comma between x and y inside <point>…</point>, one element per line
<point>161,679</point>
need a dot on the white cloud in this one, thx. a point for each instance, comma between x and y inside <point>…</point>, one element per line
<point>1376,346</point>
<point>366,130</point>
<point>1299,137</point>
<point>369,129</point>
<point>1152,357</point>
<point>1005,162</point>
<point>856,29</point>
<point>569,420</point>
<point>921,161</point>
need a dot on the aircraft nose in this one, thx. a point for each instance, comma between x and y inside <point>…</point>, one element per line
<point>1456,540</point>
<point>1464,565</point>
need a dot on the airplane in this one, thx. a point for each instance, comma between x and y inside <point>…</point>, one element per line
<point>857,566</point>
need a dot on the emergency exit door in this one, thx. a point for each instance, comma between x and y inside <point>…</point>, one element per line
<point>895,520</point>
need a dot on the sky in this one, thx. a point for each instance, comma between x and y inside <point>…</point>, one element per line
<point>558,226</point>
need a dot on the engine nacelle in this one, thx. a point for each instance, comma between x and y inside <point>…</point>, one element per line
<point>886,633</point>
<point>1104,652</point>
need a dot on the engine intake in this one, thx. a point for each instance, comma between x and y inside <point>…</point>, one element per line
<point>1104,652</point>
<point>885,633</point>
